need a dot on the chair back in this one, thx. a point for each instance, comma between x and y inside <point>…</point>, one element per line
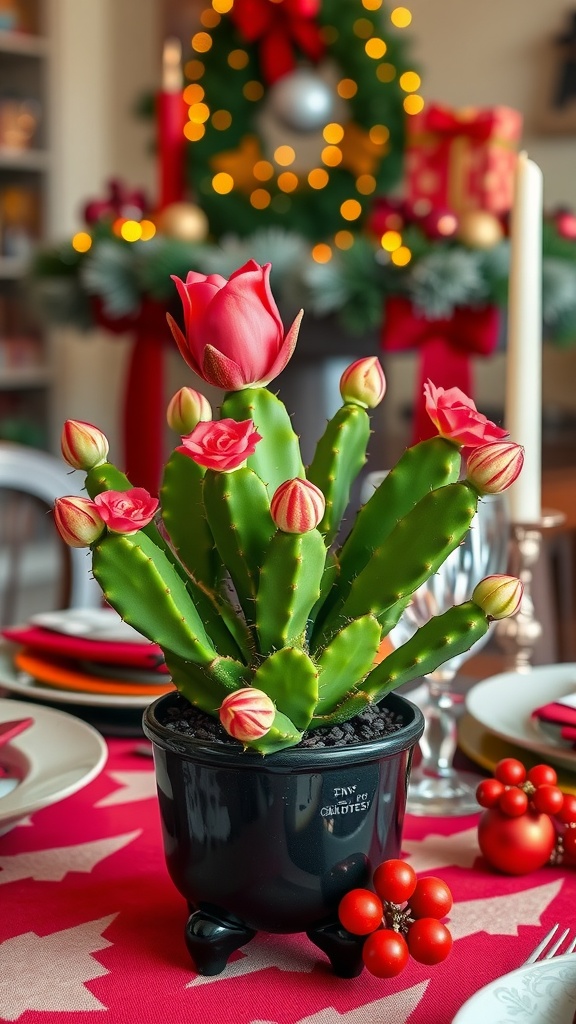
<point>38,571</point>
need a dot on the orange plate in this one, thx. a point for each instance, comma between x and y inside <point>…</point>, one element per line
<point>65,676</point>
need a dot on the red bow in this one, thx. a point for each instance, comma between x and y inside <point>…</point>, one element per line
<point>444,121</point>
<point>120,201</point>
<point>446,347</point>
<point>280,25</point>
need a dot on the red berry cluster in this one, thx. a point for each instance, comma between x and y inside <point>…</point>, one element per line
<point>514,791</point>
<point>400,919</point>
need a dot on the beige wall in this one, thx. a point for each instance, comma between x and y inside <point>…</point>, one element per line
<point>105,54</point>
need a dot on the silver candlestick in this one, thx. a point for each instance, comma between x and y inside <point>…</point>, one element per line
<point>517,636</point>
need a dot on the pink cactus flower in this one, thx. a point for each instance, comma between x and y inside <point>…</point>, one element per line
<point>247,714</point>
<point>297,506</point>
<point>126,511</point>
<point>223,445</point>
<point>83,445</point>
<point>234,337</point>
<point>78,521</point>
<point>457,418</point>
<point>186,409</point>
<point>364,383</point>
<point>499,596</point>
<point>492,468</point>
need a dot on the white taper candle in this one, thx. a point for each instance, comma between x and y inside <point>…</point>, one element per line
<point>523,414</point>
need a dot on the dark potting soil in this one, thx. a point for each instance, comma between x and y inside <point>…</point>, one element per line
<point>371,724</point>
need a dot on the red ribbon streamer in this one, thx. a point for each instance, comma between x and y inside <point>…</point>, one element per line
<point>280,27</point>
<point>143,412</point>
<point>445,349</point>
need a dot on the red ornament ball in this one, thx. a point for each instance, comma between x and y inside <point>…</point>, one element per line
<point>385,953</point>
<point>440,224</point>
<point>517,845</point>
<point>488,792</point>
<point>566,225</point>
<point>510,771</point>
<point>567,815</point>
<point>429,941</point>
<point>513,802</point>
<point>431,898</point>
<point>360,911</point>
<point>395,881</point>
<point>542,775</point>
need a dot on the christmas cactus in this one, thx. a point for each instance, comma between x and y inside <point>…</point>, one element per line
<point>268,617</point>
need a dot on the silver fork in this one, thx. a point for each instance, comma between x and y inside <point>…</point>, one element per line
<point>545,951</point>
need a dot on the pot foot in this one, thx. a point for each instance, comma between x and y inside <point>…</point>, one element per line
<point>211,941</point>
<point>342,949</point>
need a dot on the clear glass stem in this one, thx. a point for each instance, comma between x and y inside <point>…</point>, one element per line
<point>436,787</point>
<point>439,741</point>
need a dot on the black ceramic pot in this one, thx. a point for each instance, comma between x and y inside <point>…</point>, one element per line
<point>272,843</point>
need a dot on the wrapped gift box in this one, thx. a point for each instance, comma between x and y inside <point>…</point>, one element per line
<point>462,159</point>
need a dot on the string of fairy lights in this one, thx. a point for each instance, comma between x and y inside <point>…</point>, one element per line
<point>277,173</point>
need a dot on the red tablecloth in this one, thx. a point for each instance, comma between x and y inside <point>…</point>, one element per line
<point>91,928</point>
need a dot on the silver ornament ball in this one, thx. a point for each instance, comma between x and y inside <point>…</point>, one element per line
<point>302,100</point>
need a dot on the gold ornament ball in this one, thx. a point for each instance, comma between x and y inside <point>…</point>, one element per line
<point>479,229</point>
<point>184,221</point>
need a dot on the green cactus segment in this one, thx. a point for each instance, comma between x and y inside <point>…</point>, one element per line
<point>350,706</point>
<point>289,587</point>
<point>425,467</point>
<point>238,512</point>
<point>277,457</point>
<point>185,520</point>
<point>106,478</point>
<point>205,688</point>
<point>441,638</point>
<point>346,661</point>
<point>283,733</point>
<point>329,578</point>
<point>142,585</point>
<point>339,457</point>
<point>290,678</point>
<point>414,549</point>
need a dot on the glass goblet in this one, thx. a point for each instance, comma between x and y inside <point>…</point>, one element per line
<point>436,787</point>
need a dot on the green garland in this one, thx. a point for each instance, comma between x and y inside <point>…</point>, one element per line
<point>353,286</point>
<point>313,213</point>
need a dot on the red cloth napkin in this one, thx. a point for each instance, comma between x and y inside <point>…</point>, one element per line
<point>114,652</point>
<point>561,713</point>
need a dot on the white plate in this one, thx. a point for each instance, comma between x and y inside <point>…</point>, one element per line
<point>503,704</point>
<point>54,758</point>
<point>89,623</point>
<point>14,681</point>
<point>540,993</point>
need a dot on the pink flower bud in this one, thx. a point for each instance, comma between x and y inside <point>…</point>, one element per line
<point>233,334</point>
<point>493,467</point>
<point>247,714</point>
<point>78,521</point>
<point>83,445</point>
<point>297,506</point>
<point>499,596</point>
<point>363,383</point>
<point>186,409</point>
<point>126,511</point>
